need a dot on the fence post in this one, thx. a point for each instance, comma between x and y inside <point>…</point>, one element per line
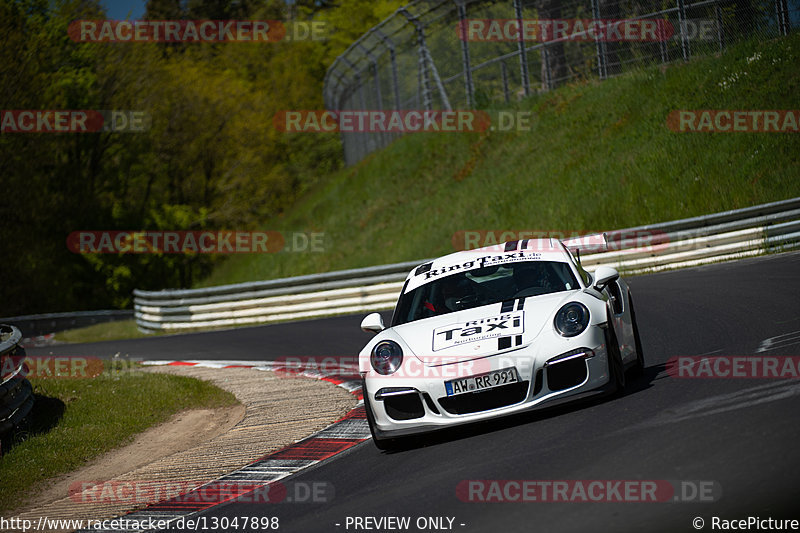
<point>782,11</point>
<point>426,66</point>
<point>523,54</point>
<point>469,88</point>
<point>504,74</point>
<point>684,36</point>
<point>376,79</point>
<point>393,59</point>
<point>427,101</point>
<point>720,35</point>
<point>336,102</point>
<point>547,81</point>
<point>602,71</point>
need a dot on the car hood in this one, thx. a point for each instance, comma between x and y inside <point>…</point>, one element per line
<point>482,331</point>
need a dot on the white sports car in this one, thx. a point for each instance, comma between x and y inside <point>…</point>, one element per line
<point>494,331</point>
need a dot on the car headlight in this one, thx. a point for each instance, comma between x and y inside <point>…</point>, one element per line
<point>572,319</point>
<point>386,357</point>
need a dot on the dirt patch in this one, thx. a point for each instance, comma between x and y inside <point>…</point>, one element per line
<point>197,446</point>
<point>183,431</point>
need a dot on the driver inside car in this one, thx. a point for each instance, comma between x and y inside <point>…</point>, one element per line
<point>534,277</point>
<point>455,292</point>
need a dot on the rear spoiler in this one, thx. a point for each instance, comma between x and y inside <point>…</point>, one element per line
<point>587,244</point>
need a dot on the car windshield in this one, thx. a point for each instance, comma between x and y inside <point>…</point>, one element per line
<point>483,286</point>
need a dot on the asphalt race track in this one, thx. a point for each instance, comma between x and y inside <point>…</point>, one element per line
<point>741,434</point>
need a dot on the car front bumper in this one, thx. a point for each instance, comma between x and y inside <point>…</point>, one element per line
<point>414,399</point>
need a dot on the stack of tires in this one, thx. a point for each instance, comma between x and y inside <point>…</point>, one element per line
<point>16,393</point>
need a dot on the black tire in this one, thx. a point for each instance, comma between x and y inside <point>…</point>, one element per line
<point>616,369</point>
<point>380,442</point>
<point>638,368</point>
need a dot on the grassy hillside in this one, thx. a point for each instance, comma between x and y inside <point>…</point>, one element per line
<point>599,156</point>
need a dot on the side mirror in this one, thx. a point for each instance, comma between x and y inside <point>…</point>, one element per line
<point>603,276</point>
<point>373,323</point>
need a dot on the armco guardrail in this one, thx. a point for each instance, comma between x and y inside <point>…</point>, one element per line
<point>345,291</point>
<point>16,393</point>
<point>675,244</point>
<point>35,325</point>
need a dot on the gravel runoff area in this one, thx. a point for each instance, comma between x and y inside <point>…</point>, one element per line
<point>196,447</point>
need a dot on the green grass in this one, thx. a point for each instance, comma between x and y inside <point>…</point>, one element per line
<point>106,331</point>
<point>599,157</point>
<point>77,420</point>
<point>123,329</point>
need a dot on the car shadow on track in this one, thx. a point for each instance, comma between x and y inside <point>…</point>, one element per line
<point>634,385</point>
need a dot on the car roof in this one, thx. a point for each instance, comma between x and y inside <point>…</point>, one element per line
<point>509,252</point>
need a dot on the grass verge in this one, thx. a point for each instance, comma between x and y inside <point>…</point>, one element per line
<point>106,331</point>
<point>599,156</point>
<point>77,420</point>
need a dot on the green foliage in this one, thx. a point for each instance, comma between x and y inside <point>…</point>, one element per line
<point>210,159</point>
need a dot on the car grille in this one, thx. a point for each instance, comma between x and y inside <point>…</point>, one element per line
<point>476,402</point>
<point>566,375</point>
<point>404,407</point>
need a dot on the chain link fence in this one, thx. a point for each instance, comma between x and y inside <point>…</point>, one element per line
<point>467,54</point>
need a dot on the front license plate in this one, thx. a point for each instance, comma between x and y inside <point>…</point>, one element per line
<point>489,380</point>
